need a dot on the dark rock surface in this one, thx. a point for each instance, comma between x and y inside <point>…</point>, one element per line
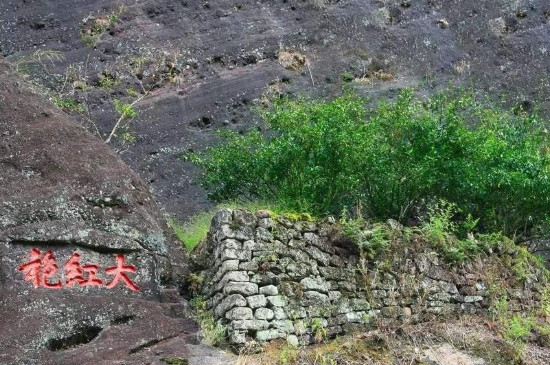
<point>64,192</point>
<point>205,63</point>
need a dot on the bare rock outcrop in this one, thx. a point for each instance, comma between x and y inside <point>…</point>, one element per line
<point>87,272</point>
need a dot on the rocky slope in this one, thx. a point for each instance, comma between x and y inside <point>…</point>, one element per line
<point>71,215</point>
<point>205,63</point>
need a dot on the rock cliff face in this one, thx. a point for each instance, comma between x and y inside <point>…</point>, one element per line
<point>206,63</point>
<point>72,215</point>
<point>268,278</point>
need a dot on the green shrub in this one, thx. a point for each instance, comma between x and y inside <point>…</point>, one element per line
<point>321,156</point>
<point>69,105</point>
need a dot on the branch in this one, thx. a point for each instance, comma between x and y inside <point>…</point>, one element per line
<point>121,118</point>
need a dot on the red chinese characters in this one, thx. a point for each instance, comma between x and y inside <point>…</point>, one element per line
<point>40,269</point>
<point>119,274</point>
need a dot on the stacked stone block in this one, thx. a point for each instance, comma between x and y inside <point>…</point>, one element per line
<point>276,278</point>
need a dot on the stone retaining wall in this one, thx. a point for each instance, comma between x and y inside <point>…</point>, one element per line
<point>300,281</point>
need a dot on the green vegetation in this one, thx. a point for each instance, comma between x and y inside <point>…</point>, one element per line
<point>318,330</point>
<point>454,239</point>
<point>393,160</point>
<point>214,333</point>
<point>193,231</point>
<point>371,240</point>
<point>68,105</point>
<point>108,80</point>
<point>126,111</point>
<point>94,26</point>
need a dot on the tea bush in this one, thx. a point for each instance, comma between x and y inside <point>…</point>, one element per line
<point>391,160</point>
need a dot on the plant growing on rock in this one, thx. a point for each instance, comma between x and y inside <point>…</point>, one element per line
<point>318,330</point>
<point>371,240</point>
<point>94,26</point>
<point>126,113</point>
<point>213,332</point>
<point>39,56</point>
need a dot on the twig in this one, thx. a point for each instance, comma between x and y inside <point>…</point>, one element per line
<point>310,75</point>
<point>122,118</point>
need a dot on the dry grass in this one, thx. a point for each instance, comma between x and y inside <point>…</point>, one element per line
<point>369,78</point>
<point>292,60</point>
<point>469,340</point>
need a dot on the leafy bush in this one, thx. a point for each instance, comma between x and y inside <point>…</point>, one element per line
<point>324,156</point>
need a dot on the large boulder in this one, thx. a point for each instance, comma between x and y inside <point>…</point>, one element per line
<point>86,265</point>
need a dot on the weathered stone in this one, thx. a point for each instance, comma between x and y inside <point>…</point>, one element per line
<point>237,338</point>
<point>276,301</point>
<point>269,290</point>
<point>262,214</point>
<point>337,261</point>
<point>472,298</point>
<point>343,306</point>
<point>223,216</point>
<point>215,300</point>
<point>256,301</point>
<point>360,304</point>
<point>378,294</point>
<point>233,254</point>
<point>262,234</point>
<point>286,326</point>
<point>253,245</point>
<point>318,255</point>
<point>231,276</point>
<point>265,223</point>
<point>292,340</point>
<point>315,298</point>
<point>443,297</point>
<point>294,312</point>
<point>334,295</point>
<point>231,301</point>
<point>279,313</point>
<point>296,243</point>
<point>298,270</point>
<point>334,331</point>
<point>347,286</point>
<point>245,289</point>
<point>232,244</point>
<point>351,317</point>
<point>248,266</point>
<point>334,273</point>
<point>249,324</point>
<point>264,279</point>
<point>243,218</point>
<point>317,284</point>
<point>226,266</point>
<point>264,313</point>
<point>239,313</point>
<point>311,238</point>
<point>267,335</point>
